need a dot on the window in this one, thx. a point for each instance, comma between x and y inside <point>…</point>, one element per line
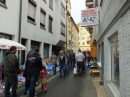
<point>31,11</point>
<point>3,1</point>
<point>62,28</point>
<point>50,24</point>
<point>88,38</point>
<point>42,18</point>
<point>79,38</point>
<point>115,61</point>
<point>62,9</point>
<point>83,43</point>
<point>79,43</point>
<point>51,4</point>
<point>82,38</point>
<point>44,1</point>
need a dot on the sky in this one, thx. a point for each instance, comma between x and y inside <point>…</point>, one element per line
<point>77,6</point>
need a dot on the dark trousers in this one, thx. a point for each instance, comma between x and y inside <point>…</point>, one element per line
<point>33,80</point>
<point>11,81</point>
<point>79,67</point>
<point>54,70</point>
<point>62,70</point>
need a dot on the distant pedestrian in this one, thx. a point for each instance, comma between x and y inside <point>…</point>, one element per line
<point>72,54</point>
<point>89,57</point>
<point>44,76</point>
<point>79,58</point>
<point>32,70</point>
<point>62,62</point>
<point>11,70</point>
<point>53,59</point>
<point>68,56</point>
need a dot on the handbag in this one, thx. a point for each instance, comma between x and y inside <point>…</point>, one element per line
<point>75,70</point>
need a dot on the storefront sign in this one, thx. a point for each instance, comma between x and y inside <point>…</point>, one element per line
<point>89,17</point>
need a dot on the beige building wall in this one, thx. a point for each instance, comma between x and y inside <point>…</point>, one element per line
<point>71,30</point>
<point>83,39</point>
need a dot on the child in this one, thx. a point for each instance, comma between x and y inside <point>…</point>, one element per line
<point>44,76</point>
<point>91,63</point>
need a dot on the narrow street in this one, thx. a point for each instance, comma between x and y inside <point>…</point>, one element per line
<point>70,86</point>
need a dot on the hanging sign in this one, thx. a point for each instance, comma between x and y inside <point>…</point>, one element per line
<point>89,17</point>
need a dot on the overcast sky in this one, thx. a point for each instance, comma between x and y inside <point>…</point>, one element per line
<point>77,6</point>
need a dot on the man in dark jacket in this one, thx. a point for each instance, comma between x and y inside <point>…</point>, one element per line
<point>62,61</point>
<point>33,68</point>
<point>11,70</point>
<point>72,54</point>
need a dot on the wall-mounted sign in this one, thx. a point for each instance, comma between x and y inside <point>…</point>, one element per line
<point>89,17</point>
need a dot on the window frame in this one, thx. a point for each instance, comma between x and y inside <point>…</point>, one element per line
<point>50,18</point>
<point>83,43</point>
<point>51,6</point>
<point>30,19</point>
<point>3,4</point>
<point>44,1</point>
<point>63,25</point>
<point>62,7</point>
<point>41,25</point>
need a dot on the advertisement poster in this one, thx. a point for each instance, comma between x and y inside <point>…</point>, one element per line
<point>89,17</point>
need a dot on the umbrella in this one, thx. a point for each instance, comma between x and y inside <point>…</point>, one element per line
<point>6,44</point>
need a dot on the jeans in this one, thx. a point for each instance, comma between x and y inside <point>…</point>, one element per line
<point>72,63</point>
<point>68,67</point>
<point>11,80</point>
<point>54,70</point>
<point>26,89</point>
<point>62,69</point>
<point>33,80</point>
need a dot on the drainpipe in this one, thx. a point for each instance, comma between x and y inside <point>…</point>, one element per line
<point>19,33</point>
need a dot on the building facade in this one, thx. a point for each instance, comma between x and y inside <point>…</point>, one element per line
<point>114,47</point>
<point>35,23</point>
<point>9,22</point>
<point>92,29</point>
<point>71,29</point>
<point>84,38</point>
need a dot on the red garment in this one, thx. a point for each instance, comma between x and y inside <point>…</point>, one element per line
<point>43,74</point>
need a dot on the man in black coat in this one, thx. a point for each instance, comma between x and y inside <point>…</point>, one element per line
<point>32,70</point>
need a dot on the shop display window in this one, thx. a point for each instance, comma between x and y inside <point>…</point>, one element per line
<point>115,62</point>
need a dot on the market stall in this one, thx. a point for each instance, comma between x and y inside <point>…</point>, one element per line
<point>6,44</point>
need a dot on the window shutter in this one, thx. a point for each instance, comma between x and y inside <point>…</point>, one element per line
<point>42,18</point>
<point>32,10</point>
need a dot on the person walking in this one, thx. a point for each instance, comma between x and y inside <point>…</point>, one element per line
<point>11,70</point>
<point>67,54</point>
<point>32,70</point>
<point>72,54</point>
<point>62,62</point>
<point>79,59</point>
<point>44,76</point>
<point>53,59</point>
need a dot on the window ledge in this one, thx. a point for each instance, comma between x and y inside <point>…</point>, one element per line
<point>51,32</point>
<point>31,22</point>
<point>114,91</point>
<point>3,5</point>
<point>43,28</point>
<point>63,15</point>
<point>50,8</point>
<point>62,34</point>
<point>44,1</point>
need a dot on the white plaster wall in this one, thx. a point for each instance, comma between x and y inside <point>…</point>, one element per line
<point>122,26</point>
<point>34,32</point>
<point>108,11</point>
<point>9,18</point>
